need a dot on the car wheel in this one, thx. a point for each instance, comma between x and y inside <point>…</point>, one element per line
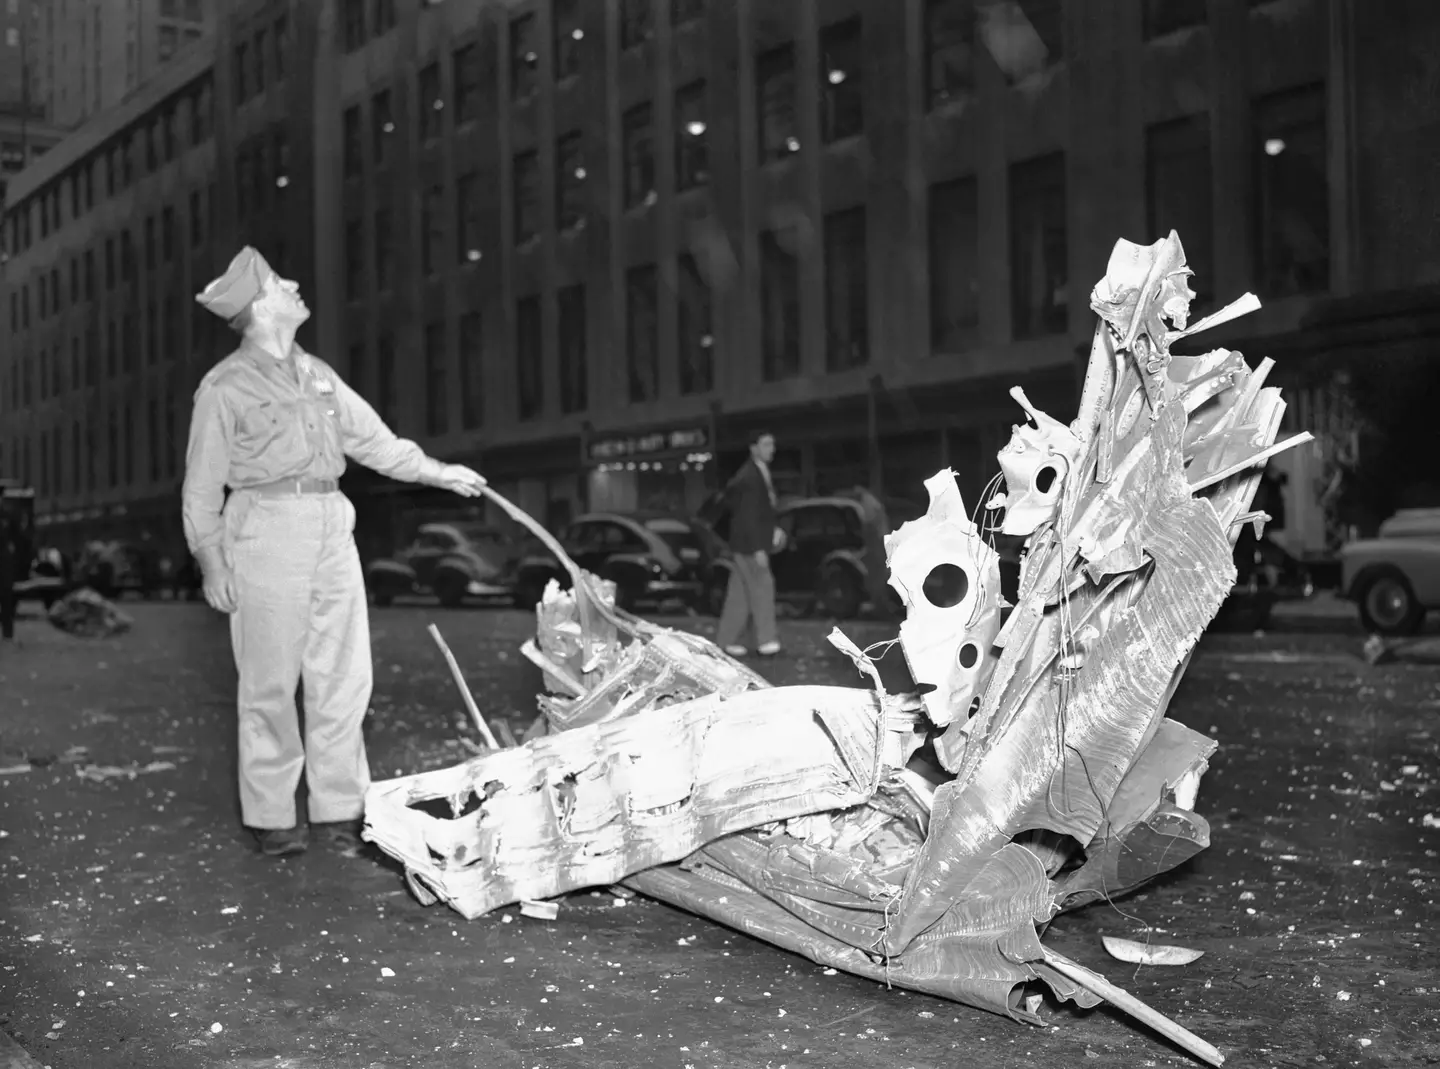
<point>1387,604</point>
<point>47,600</point>
<point>450,588</point>
<point>715,593</point>
<point>528,592</point>
<point>838,593</point>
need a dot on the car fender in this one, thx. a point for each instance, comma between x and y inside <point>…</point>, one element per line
<point>458,562</point>
<point>390,571</point>
<point>1418,559</point>
<point>622,563</point>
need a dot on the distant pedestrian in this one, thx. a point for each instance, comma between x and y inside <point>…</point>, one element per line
<point>750,597</point>
<point>275,424</point>
<point>11,570</point>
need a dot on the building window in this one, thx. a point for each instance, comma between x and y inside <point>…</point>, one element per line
<point>241,73</point>
<point>167,233</point>
<point>169,41</point>
<point>638,145</point>
<point>637,22</point>
<point>775,95</point>
<point>529,358</point>
<point>1038,269</point>
<point>1025,36</point>
<point>354,259</point>
<point>565,18</point>
<point>92,356</point>
<point>847,314</point>
<point>436,387</point>
<point>152,333</point>
<point>109,263</point>
<point>467,218</point>
<point>355,372</point>
<point>112,350</point>
<point>75,456</point>
<point>200,116</point>
<point>642,334</point>
<point>353,17</point>
<point>953,253</point>
<point>385,375</point>
<point>1178,193</point>
<point>683,11</point>
<point>257,54</point>
<point>382,126</point>
<point>152,436</point>
<point>75,279</point>
<point>573,384</point>
<point>842,112</point>
<point>130,341</point>
<point>281,145</point>
<point>692,144</point>
<point>432,104</point>
<point>780,304</point>
<point>527,197</point>
<point>472,371</point>
<point>1293,194</point>
<point>949,50</point>
<point>384,250</point>
<point>282,45</point>
<point>432,229</point>
<point>174,327</point>
<point>197,222</point>
<point>467,74</point>
<point>352,149</point>
<point>524,56</point>
<point>696,343</point>
<point>1159,17</point>
<point>384,16</point>
<point>44,303</point>
<point>569,182</point>
<point>127,445</point>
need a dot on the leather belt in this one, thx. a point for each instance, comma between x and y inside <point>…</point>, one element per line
<point>293,487</point>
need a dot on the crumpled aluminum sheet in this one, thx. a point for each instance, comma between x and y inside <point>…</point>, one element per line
<point>1069,783</point>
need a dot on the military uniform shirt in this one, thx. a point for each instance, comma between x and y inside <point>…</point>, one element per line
<point>258,420</point>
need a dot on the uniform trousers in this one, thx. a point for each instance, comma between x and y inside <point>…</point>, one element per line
<point>301,616</point>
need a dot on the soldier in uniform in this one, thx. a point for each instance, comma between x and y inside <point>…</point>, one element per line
<point>275,424</point>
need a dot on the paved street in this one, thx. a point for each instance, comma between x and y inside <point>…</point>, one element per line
<point>139,929</point>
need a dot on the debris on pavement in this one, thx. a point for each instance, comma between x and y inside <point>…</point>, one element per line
<point>795,813</point>
<point>545,911</point>
<point>86,614</point>
<point>1137,953</point>
<point>100,773</point>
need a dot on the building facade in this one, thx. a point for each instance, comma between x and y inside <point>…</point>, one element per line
<point>590,247</point>
<point>91,54</point>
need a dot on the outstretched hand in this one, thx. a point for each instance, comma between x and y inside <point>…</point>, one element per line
<point>459,479</point>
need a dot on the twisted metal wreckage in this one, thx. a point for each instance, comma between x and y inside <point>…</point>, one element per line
<point>790,812</point>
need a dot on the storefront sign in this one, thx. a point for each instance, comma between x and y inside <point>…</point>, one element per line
<point>622,447</point>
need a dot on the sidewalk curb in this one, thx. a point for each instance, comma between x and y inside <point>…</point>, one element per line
<point>13,1055</point>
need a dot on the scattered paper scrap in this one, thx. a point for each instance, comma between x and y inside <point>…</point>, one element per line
<point>100,773</point>
<point>15,770</point>
<point>545,911</point>
<point>1149,953</point>
<point>217,1028</point>
<point>387,971</point>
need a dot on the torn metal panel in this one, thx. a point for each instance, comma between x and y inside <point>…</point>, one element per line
<point>593,804</point>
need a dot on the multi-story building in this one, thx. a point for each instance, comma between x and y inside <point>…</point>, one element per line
<point>589,247</point>
<point>25,131</point>
<point>91,54</point>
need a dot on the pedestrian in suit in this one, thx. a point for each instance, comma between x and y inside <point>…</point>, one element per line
<point>750,597</point>
<point>275,424</point>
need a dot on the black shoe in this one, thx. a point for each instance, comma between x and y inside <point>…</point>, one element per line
<point>280,842</point>
<point>344,834</point>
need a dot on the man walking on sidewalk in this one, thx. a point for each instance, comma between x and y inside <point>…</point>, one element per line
<point>275,424</point>
<point>753,537</point>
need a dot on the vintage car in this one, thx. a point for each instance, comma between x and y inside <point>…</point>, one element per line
<point>832,559</point>
<point>452,561</point>
<point>653,558</point>
<point>1394,578</point>
<point>113,568</point>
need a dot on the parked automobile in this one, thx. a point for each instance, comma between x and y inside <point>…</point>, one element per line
<point>452,561</point>
<point>833,557</point>
<point>48,580</point>
<point>114,568</point>
<point>1265,575</point>
<point>1394,578</point>
<point>652,557</point>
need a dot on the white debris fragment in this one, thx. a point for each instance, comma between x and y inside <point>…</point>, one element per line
<point>387,971</point>
<point>545,911</point>
<point>217,1028</point>
<point>1343,996</point>
<point>230,909</point>
<point>1151,953</point>
<point>1247,896</point>
<point>1364,1042</point>
<point>1430,820</point>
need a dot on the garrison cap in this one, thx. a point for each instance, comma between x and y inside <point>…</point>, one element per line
<point>232,292</point>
